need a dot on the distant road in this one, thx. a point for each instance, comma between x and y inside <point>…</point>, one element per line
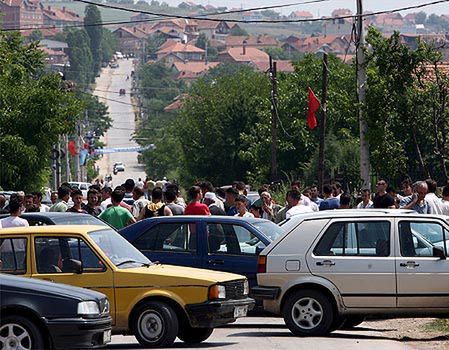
<point>123,124</point>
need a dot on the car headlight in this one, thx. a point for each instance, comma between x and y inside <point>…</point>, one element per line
<point>217,291</point>
<point>245,287</point>
<point>88,308</point>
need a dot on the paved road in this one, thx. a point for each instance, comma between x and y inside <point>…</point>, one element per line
<point>123,125</point>
<point>255,333</point>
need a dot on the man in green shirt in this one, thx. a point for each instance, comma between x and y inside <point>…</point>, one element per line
<point>116,215</point>
<point>61,205</point>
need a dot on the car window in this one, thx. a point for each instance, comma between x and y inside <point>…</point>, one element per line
<point>269,229</point>
<point>366,238</point>
<point>77,219</point>
<point>55,255</point>
<point>232,239</point>
<point>13,255</point>
<point>419,238</point>
<point>179,237</point>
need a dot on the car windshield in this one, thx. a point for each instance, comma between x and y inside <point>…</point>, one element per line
<point>121,253</point>
<point>269,229</point>
<point>77,219</point>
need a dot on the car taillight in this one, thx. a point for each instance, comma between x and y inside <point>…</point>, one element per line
<point>262,264</point>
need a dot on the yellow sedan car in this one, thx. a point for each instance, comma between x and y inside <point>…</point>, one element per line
<point>155,302</point>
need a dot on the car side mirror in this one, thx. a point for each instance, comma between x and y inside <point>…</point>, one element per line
<point>72,265</point>
<point>438,252</point>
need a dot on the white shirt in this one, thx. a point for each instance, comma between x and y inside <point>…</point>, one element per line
<point>138,205</point>
<point>298,209</point>
<point>435,204</point>
<point>44,208</point>
<point>105,203</point>
<point>445,207</point>
<point>362,206</point>
<point>246,215</point>
<point>13,221</point>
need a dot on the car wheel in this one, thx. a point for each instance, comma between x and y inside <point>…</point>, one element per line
<point>192,335</point>
<point>308,313</point>
<point>155,325</point>
<point>352,321</point>
<point>16,332</point>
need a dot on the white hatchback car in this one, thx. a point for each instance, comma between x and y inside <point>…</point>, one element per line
<point>334,268</point>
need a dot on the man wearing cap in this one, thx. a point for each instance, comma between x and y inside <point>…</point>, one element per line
<point>210,199</point>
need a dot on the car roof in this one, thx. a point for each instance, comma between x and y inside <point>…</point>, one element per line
<point>355,213</point>
<point>214,218</point>
<point>52,229</point>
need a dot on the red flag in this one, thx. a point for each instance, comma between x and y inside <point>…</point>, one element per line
<point>72,147</point>
<point>314,104</point>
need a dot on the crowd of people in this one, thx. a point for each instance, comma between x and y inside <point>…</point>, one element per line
<point>134,201</point>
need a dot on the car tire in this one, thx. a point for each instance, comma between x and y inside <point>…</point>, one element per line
<point>155,325</point>
<point>192,335</point>
<point>308,312</point>
<point>351,321</point>
<point>23,332</point>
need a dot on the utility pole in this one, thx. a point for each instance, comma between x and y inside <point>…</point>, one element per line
<point>274,166</point>
<point>77,155</point>
<point>361,93</point>
<point>68,176</point>
<point>323,124</point>
<point>58,164</point>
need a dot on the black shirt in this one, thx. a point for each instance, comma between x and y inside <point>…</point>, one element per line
<point>383,202</point>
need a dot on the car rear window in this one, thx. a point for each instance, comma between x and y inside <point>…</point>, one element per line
<point>77,219</point>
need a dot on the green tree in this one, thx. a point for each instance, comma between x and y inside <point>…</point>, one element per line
<point>420,17</point>
<point>201,41</point>
<point>238,31</point>
<point>80,57</point>
<point>108,45</point>
<point>153,43</point>
<point>36,35</point>
<point>92,25</point>
<point>34,111</point>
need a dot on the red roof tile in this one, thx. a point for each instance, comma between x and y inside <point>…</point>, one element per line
<point>262,40</point>
<point>179,47</point>
<point>281,66</point>
<point>251,54</point>
<point>195,67</point>
<point>63,14</point>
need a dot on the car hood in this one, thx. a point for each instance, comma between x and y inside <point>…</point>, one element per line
<point>164,275</point>
<point>36,286</point>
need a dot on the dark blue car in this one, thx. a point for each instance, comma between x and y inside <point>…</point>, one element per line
<point>220,243</point>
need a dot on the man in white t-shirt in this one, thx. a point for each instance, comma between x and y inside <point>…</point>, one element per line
<point>296,204</point>
<point>15,209</point>
<point>445,200</point>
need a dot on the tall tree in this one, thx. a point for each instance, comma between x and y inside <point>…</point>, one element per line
<point>80,57</point>
<point>92,24</point>
<point>34,111</point>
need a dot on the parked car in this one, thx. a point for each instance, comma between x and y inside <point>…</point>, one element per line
<point>119,166</point>
<point>83,186</point>
<point>55,218</point>
<point>113,64</point>
<point>122,92</point>
<point>219,243</point>
<point>155,302</point>
<point>337,267</point>
<point>43,315</point>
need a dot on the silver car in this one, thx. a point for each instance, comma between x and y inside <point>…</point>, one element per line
<point>332,269</point>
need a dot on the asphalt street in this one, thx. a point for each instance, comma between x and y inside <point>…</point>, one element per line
<point>121,112</point>
<point>256,333</point>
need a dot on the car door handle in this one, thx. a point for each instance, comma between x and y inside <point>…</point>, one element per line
<point>325,263</point>
<point>216,262</point>
<point>409,264</point>
<point>48,279</point>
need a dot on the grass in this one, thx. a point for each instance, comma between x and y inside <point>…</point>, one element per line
<point>439,325</point>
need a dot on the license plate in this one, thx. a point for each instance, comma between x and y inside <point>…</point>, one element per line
<point>240,311</point>
<point>107,337</point>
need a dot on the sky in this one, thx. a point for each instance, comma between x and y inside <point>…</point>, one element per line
<point>325,8</point>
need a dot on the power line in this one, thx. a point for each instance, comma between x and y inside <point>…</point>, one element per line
<point>157,16</point>
<point>271,21</point>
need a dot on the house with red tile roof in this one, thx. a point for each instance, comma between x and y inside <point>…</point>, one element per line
<point>213,29</point>
<point>259,41</point>
<point>302,15</point>
<point>337,44</point>
<point>129,40</point>
<point>281,66</point>
<point>176,104</point>
<point>59,18</point>
<point>389,22</point>
<point>20,14</point>
<point>243,55</point>
<point>190,71</point>
<point>185,52</point>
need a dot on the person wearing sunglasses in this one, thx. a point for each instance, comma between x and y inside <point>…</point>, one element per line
<point>383,200</point>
